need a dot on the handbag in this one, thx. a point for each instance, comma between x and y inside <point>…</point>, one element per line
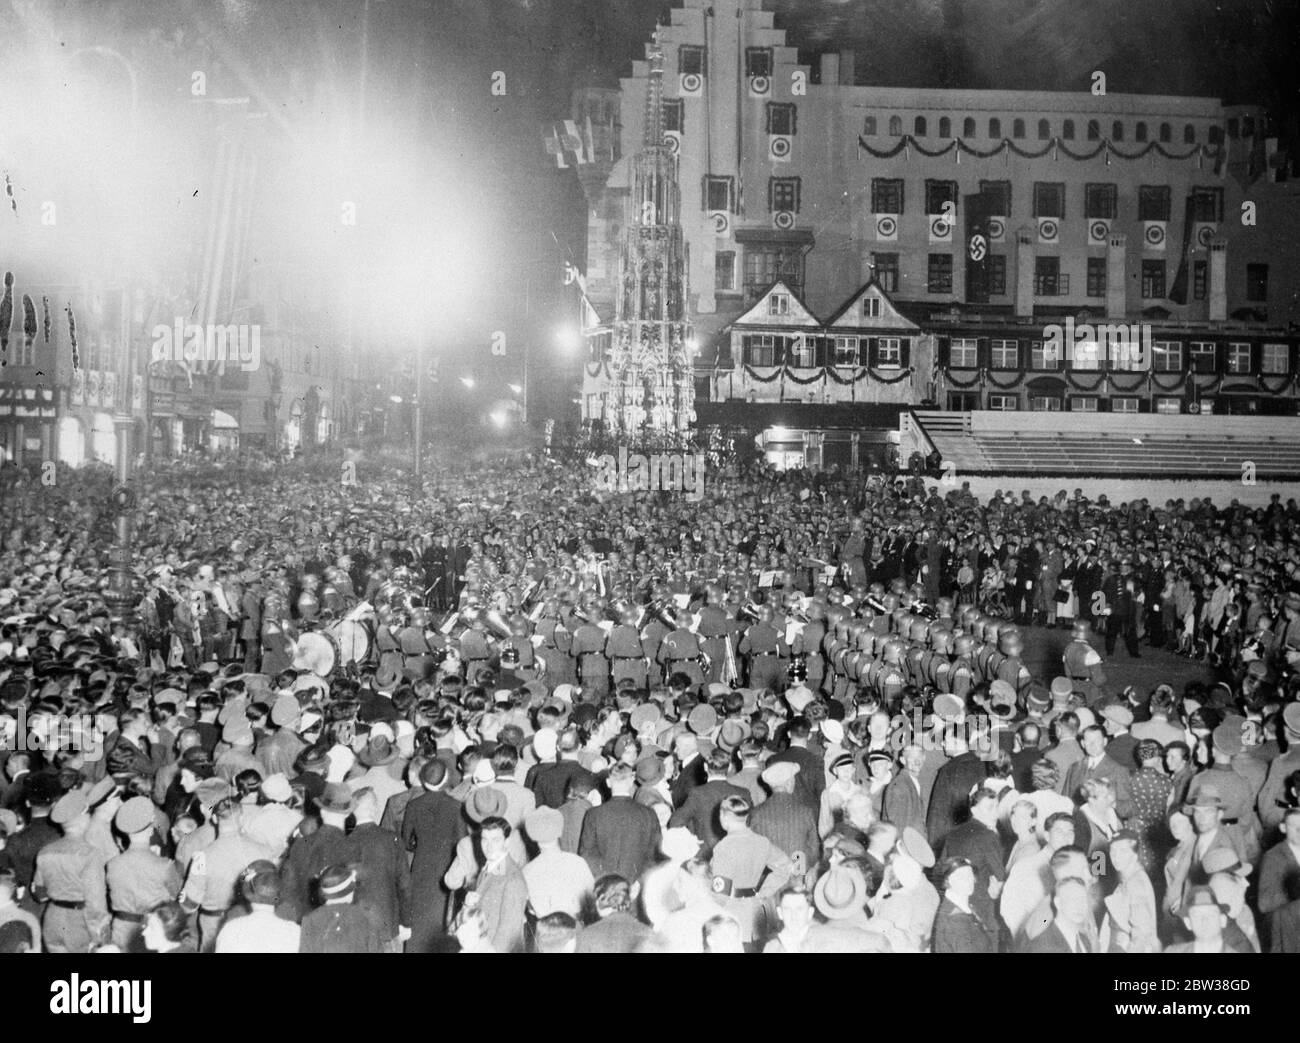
<point>1062,597</point>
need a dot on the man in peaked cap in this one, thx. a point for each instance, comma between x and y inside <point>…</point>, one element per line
<point>137,879</point>
<point>70,878</point>
<point>280,749</point>
<point>788,822</point>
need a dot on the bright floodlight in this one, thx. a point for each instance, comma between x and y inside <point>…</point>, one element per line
<point>779,433</point>
<point>516,388</point>
<point>467,381</point>
<point>569,338</point>
<point>499,418</point>
<point>395,399</point>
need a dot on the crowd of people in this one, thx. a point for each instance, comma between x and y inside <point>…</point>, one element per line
<point>500,709</point>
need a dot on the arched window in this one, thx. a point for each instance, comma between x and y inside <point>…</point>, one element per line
<point>1094,130</point>
<point>995,128</point>
<point>1117,131</point>
<point>918,127</point>
<point>895,125</point>
<point>968,127</point>
<point>1189,135</point>
<point>1018,128</point>
<point>945,127</point>
<point>1044,130</point>
<point>1140,132</point>
<point>1166,132</point>
<point>869,127</point>
<point>1067,130</point>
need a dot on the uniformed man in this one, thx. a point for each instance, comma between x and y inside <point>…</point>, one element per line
<point>1083,665</point>
<point>588,652</point>
<point>70,879</point>
<point>475,645</point>
<point>214,872</point>
<point>766,651</point>
<point>962,672</point>
<point>747,870</point>
<point>1012,668</point>
<point>556,643</point>
<point>624,651</point>
<point>138,878</point>
<point>714,629</point>
<point>808,643</point>
<point>936,664</point>
<point>1121,607</point>
<point>892,678</point>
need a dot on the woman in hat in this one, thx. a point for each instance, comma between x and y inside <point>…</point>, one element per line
<point>957,928</point>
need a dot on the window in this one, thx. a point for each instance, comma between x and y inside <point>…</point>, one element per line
<point>1094,130</point>
<point>968,127</point>
<point>724,270</point>
<point>1004,403</point>
<point>998,194</point>
<point>1044,356</point>
<point>1123,405</point>
<point>760,349</point>
<point>1248,126</point>
<point>1049,199</point>
<point>895,125</point>
<point>846,351</point>
<point>963,353</point>
<point>1200,279</point>
<point>1018,128</point>
<point>1238,357</point>
<point>997,275</point>
<point>886,195</point>
<point>1201,356</point>
<point>1275,359</point>
<point>1257,282</point>
<point>780,117</point>
<point>1045,403</point>
<point>778,304</point>
<point>758,61</point>
<point>783,194</point>
<point>1096,277</point>
<point>1099,200</point>
<point>1167,356</point>
<point>869,126</point>
<point>803,353</point>
<point>1117,131</point>
<point>1169,406</point>
<point>918,127</point>
<point>995,128</point>
<point>939,279</point>
<point>1140,132</point>
<point>1189,135</point>
<point>1047,276</point>
<point>1207,204</point>
<point>1085,354</point>
<point>886,271</point>
<point>765,264</point>
<point>1124,353</point>
<point>945,127</point>
<point>1083,404</point>
<point>1044,130</point>
<point>717,192</point>
<point>1166,133</point>
<point>871,307</point>
<point>1067,130</point>
<point>674,114</point>
<point>889,352</point>
<point>690,59</point>
<point>939,193</point>
<point>1153,280</point>
<point>1153,202</point>
<point>1006,354</point>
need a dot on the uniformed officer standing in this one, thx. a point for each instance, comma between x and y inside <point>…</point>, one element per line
<point>1083,664</point>
<point>748,870</point>
<point>1121,608</point>
<point>1012,668</point>
<point>680,651</point>
<point>138,878</point>
<point>214,872</point>
<point>624,651</point>
<point>589,653</point>
<point>766,650</point>
<point>714,629</point>
<point>808,643</point>
<point>556,644</point>
<point>961,674</point>
<point>70,877</point>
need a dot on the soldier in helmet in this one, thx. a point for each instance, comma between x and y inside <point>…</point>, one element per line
<point>892,679</point>
<point>555,645</point>
<point>1083,665</point>
<point>962,673</point>
<point>1012,668</point>
<point>714,630</point>
<point>624,651</point>
<point>765,647</point>
<point>808,643</point>
<point>935,664</point>
<point>588,652</point>
<point>680,651</point>
<point>987,629</point>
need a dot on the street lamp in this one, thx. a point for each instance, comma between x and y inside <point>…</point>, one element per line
<point>468,382</point>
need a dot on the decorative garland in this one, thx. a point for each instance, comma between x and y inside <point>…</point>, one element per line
<point>595,369</point>
<point>892,380</point>
<point>962,384</point>
<point>1078,385</point>
<point>754,375</point>
<point>815,378</point>
<point>1055,145</point>
<point>1286,381</point>
<point>1138,381</point>
<point>987,375</point>
<point>860,374</point>
<point>1178,379</point>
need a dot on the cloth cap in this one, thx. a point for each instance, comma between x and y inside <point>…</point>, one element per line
<point>780,774</point>
<point>948,706</point>
<point>799,697</point>
<point>1119,714</point>
<point>1227,736</point>
<point>1062,689</point>
<point>135,816</point>
<point>702,719</point>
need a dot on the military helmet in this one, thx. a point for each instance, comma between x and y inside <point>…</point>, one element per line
<point>963,644</point>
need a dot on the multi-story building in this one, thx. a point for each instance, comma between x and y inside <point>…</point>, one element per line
<point>975,220</point>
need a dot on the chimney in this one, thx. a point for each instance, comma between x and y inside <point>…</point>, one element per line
<point>830,69</point>
<point>1116,304</point>
<point>847,69</point>
<point>1219,280</point>
<point>1025,272</point>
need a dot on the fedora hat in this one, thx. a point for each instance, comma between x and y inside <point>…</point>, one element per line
<point>1205,797</point>
<point>840,893</point>
<point>379,751</point>
<point>485,803</point>
<point>335,797</point>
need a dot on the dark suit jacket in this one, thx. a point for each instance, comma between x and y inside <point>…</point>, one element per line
<point>1279,878</point>
<point>956,931</point>
<point>811,780</point>
<point>700,812</point>
<point>431,828</point>
<point>550,782</point>
<point>950,798</point>
<point>621,836</point>
<point>308,855</point>
<point>1051,940</point>
<point>903,804</point>
<point>692,775</point>
<point>383,876</point>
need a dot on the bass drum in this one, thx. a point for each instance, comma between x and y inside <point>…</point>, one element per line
<point>353,639</point>
<point>317,652</point>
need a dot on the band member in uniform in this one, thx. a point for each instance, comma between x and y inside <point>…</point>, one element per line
<point>624,651</point>
<point>766,651</point>
<point>680,651</point>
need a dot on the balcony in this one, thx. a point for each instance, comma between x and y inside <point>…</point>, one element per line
<point>1051,285</point>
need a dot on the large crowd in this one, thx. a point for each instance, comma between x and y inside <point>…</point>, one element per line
<point>499,709</point>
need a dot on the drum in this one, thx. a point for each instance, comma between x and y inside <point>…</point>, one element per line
<point>353,639</point>
<point>317,652</point>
